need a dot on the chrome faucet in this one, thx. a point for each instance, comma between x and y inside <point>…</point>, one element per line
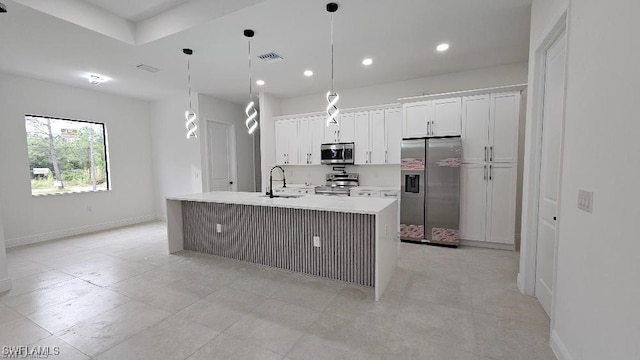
<point>284,181</point>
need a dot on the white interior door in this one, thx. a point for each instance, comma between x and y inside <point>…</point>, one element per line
<point>220,146</point>
<point>552,117</point>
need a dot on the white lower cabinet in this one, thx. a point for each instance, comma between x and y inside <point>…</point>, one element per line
<point>487,202</point>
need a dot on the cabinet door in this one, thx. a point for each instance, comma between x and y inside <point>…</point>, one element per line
<point>362,137</point>
<point>475,128</point>
<point>304,144</point>
<point>473,201</point>
<point>416,119</point>
<point>316,127</point>
<point>446,117</point>
<point>292,134</point>
<point>347,130</point>
<point>502,203</point>
<point>377,130</point>
<point>282,142</point>
<point>393,122</point>
<point>331,131</point>
<point>505,121</point>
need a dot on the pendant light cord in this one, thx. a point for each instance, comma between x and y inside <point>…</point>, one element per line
<point>189,81</point>
<point>250,81</point>
<point>332,91</point>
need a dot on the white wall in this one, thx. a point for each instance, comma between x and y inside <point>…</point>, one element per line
<point>5,282</point>
<point>389,93</point>
<point>28,218</point>
<point>270,106</point>
<point>176,160</point>
<point>596,313</point>
<point>213,109</point>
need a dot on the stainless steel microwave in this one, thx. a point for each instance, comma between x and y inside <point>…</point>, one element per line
<point>337,153</point>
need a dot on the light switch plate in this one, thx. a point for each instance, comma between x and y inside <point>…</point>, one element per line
<point>219,228</point>
<point>316,241</point>
<point>585,200</point>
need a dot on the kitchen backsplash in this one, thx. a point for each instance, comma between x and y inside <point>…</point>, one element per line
<point>370,175</point>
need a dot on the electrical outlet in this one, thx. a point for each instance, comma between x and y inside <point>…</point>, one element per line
<point>585,200</point>
<point>316,241</point>
<point>219,228</point>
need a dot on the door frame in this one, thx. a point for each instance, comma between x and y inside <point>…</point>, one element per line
<point>533,162</point>
<point>232,153</point>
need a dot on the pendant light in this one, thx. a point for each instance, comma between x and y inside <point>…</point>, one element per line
<point>332,96</point>
<point>189,115</point>
<point>250,110</point>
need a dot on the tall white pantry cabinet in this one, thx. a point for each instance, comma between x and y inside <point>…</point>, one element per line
<point>488,182</point>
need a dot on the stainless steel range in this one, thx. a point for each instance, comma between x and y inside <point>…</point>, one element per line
<point>338,184</point>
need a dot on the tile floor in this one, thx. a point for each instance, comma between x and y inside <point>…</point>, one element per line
<point>118,295</point>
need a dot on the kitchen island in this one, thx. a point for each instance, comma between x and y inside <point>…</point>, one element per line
<point>344,238</point>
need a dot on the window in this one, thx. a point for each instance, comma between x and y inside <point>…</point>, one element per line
<point>66,156</point>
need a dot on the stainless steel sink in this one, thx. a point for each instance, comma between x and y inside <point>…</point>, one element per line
<point>287,196</point>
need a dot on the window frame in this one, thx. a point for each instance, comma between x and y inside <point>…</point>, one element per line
<point>106,155</point>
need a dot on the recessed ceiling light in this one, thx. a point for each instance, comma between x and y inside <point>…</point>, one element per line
<point>95,79</point>
<point>260,82</point>
<point>367,61</point>
<point>443,47</point>
<point>308,73</point>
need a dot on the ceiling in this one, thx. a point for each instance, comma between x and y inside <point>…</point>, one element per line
<point>136,10</point>
<point>399,35</point>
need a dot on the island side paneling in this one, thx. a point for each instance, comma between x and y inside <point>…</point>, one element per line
<point>283,238</point>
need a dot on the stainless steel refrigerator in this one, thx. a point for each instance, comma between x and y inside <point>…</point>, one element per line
<point>430,197</point>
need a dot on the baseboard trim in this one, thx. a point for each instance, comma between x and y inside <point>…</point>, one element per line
<point>558,347</point>
<point>37,238</point>
<point>488,245</point>
<point>5,285</point>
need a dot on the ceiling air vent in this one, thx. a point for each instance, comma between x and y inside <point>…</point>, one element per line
<point>270,57</point>
<point>148,68</point>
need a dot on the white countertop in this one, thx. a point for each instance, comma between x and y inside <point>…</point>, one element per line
<point>375,188</point>
<point>312,202</point>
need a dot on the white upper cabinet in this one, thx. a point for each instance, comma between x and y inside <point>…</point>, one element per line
<point>393,123</point>
<point>282,145</point>
<point>417,119</point>
<point>503,134</point>
<point>316,127</point>
<point>304,133</point>
<point>445,120</point>
<point>377,137</point>
<point>475,128</point>
<point>490,127</point>
<point>286,136</point>
<point>432,118</point>
<point>362,138</point>
<point>344,131</point>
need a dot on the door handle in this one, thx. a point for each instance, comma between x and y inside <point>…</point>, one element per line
<point>386,156</point>
<point>485,172</point>
<point>338,135</point>
<point>491,152</point>
<point>230,182</point>
<point>490,172</point>
<point>428,127</point>
<point>433,122</point>
<point>485,153</point>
